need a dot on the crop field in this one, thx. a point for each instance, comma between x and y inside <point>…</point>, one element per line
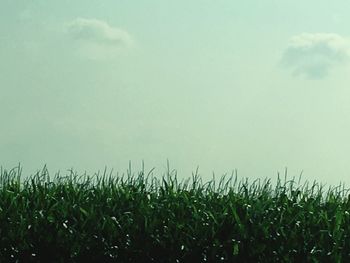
<point>138,217</point>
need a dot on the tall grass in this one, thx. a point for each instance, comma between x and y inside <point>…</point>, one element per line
<point>139,218</point>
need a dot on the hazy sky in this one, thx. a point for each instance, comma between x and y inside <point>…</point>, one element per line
<point>255,86</point>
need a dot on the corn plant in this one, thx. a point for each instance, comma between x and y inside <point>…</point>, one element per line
<point>138,217</point>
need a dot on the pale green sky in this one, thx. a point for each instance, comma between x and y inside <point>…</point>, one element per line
<point>250,85</point>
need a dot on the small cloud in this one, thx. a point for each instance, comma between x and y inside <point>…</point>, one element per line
<point>314,55</point>
<point>97,39</point>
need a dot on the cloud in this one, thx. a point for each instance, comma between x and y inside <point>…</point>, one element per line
<point>315,55</point>
<point>97,39</point>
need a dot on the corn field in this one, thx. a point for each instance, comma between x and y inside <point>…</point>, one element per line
<point>138,217</point>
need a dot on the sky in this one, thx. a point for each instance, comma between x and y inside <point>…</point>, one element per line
<point>256,86</point>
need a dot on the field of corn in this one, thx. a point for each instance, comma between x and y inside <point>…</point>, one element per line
<point>142,218</point>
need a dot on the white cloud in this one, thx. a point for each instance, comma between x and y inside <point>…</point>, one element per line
<point>314,55</point>
<point>97,39</point>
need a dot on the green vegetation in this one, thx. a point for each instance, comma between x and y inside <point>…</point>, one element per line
<point>139,218</point>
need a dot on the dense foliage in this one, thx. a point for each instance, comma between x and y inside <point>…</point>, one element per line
<point>139,218</point>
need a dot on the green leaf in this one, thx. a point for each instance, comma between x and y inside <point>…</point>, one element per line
<point>83,211</point>
<point>235,249</point>
<point>51,219</point>
<point>238,221</point>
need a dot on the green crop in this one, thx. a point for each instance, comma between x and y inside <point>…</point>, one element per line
<point>142,218</point>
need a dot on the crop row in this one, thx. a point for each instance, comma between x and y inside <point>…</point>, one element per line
<point>143,218</point>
